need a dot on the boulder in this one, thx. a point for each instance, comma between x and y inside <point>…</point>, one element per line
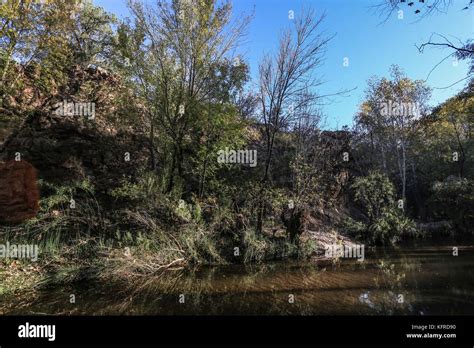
<point>19,195</point>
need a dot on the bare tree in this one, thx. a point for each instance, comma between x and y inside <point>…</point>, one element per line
<point>460,50</point>
<point>421,8</point>
<point>424,8</point>
<point>287,82</point>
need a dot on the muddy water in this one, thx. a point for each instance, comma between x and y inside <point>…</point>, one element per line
<point>426,280</point>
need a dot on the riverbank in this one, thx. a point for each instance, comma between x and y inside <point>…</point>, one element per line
<point>127,258</point>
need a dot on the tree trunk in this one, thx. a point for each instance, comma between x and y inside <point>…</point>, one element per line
<point>203,178</point>
<point>169,188</point>
<point>152,146</point>
<point>404,170</point>
<point>261,209</point>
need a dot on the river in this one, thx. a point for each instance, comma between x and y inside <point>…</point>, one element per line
<point>415,280</point>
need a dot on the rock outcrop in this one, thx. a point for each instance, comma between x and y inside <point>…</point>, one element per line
<point>19,196</point>
<point>68,146</point>
<point>66,149</point>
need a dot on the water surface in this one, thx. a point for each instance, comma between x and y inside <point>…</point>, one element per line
<point>416,280</point>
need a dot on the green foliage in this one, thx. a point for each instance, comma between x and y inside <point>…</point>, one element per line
<point>183,210</point>
<point>200,245</point>
<point>420,149</point>
<point>255,246</point>
<point>91,37</point>
<point>385,222</point>
<point>258,248</point>
<point>66,212</point>
<point>374,193</point>
<point>446,131</point>
<point>306,248</point>
<point>191,241</point>
<point>391,226</point>
<point>454,200</point>
<point>180,86</point>
<point>41,41</point>
<point>307,181</point>
<point>147,188</point>
<point>188,106</point>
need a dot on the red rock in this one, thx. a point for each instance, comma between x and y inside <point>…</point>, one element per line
<point>19,195</point>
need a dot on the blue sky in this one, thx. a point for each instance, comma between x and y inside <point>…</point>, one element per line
<point>370,45</point>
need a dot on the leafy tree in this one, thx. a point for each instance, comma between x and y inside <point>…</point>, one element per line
<point>31,37</point>
<point>178,57</point>
<point>387,117</point>
<point>448,132</point>
<point>40,42</point>
<point>454,200</point>
<point>385,221</point>
<point>91,36</point>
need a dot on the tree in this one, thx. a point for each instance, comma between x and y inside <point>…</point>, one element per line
<point>384,223</point>
<point>178,55</point>
<point>32,36</point>
<point>41,42</point>
<point>287,82</point>
<point>388,115</point>
<point>91,35</point>
<point>461,51</point>
<point>424,8</point>
<point>447,137</point>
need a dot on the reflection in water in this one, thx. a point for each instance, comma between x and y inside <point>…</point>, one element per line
<point>419,281</point>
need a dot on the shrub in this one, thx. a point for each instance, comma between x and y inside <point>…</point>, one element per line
<point>147,189</point>
<point>67,212</point>
<point>385,222</point>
